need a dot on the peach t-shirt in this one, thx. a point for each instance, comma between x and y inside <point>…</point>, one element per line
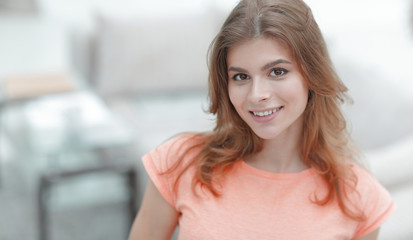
<point>256,204</point>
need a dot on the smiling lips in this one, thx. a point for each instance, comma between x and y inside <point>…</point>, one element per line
<point>266,113</point>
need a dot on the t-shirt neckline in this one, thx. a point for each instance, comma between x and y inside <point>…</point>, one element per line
<point>243,166</point>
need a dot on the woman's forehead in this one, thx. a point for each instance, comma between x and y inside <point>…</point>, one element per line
<point>259,49</point>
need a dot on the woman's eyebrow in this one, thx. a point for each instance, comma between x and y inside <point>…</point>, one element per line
<point>236,69</point>
<point>266,66</point>
<point>271,64</point>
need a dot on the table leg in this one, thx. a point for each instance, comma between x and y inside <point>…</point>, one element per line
<point>42,214</point>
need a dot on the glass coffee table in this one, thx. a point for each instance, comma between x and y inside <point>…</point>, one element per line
<point>65,136</point>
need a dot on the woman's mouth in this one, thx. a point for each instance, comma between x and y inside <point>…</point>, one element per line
<point>266,113</point>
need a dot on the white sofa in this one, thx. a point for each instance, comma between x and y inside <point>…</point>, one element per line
<point>127,61</point>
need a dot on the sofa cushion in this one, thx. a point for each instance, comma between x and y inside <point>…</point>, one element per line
<point>153,54</point>
<point>393,164</point>
<point>381,113</point>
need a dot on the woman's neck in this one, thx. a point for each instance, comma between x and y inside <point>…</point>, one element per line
<point>282,154</point>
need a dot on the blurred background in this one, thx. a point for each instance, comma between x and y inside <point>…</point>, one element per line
<point>89,86</point>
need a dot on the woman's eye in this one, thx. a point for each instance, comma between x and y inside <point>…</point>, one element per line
<point>240,77</point>
<point>278,72</point>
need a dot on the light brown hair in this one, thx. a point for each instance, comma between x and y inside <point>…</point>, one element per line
<point>325,140</point>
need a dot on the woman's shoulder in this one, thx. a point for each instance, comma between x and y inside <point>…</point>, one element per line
<point>177,149</point>
<point>373,198</point>
<point>180,143</point>
<point>371,192</point>
<point>365,178</point>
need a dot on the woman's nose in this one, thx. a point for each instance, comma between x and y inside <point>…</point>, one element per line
<point>260,90</point>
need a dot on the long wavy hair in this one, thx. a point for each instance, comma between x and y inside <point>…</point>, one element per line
<point>326,143</point>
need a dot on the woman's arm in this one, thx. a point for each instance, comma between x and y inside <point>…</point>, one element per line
<point>156,218</point>
<point>371,236</point>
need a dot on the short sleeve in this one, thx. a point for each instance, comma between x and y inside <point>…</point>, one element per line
<point>376,202</point>
<point>158,161</point>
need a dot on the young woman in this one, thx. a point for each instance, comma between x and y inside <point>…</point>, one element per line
<point>279,163</point>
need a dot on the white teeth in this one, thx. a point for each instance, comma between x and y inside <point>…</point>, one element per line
<point>266,113</point>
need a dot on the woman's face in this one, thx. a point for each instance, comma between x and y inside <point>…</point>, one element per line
<point>266,88</point>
